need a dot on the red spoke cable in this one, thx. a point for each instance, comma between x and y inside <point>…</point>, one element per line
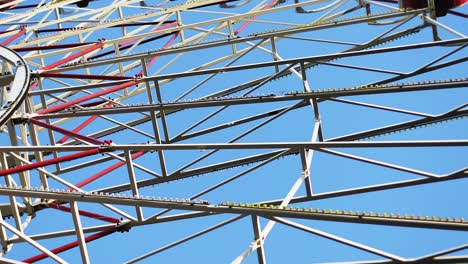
<point>87,97</point>
<point>66,132</point>
<point>26,6</point>
<point>21,31</point>
<point>86,122</point>
<point>85,213</point>
<point>245,24</point>
<point>71,245</point>
<point>106,171</point>
<point>43,163</point>
<point>5,5</point>
<point>168,43</point>
<point>84,76</point>
<point>153,30</point>
<point>78,128</point>
<point>50,47</point>
<point>97,45</point>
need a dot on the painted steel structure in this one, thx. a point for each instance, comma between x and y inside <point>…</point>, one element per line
<point>102,101</point>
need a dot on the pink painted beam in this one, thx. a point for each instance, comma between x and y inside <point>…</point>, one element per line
<point>66,132</point>
<point>85,213</point>
<point>43,163</point>
<point>84,76</point>
<point>107,170</point>
<point>96,46</point>
<point>87,121</point>
<point>168,43</point>
<point>245,24</point>
<point>174,23</point>
<point>71,245</point>
<point>87,97</point>
<point>50,47</point>
<point>21,31</point>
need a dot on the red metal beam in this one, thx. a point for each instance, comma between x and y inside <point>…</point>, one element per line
<point>5,5</point>
<point>107,170</point>
<point>77,129</point>
<point>71,245</point>
<point>84,76</point>
<point>168,43</point>
<point>174,23</point>
<point>50,47</point>
<point>43,163</point>
<point>85,213</point>
<point>86,122</point>
<point>96,46</point>
<point>21,31</point>
<point>87,97</point>
<point>245,24</point>
<point>66,132</point>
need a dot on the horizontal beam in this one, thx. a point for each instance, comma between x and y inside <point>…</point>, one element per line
<point>231,41</point>
<point>257,145</point>
<point>242,209</point>
<point>268,98</point>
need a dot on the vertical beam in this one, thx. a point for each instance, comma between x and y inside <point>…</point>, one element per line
<point>13,203</point>
<point>133,182</point>
<point>162,113</point>
<point>154,122</point>
<point>79,232</point>
<point>432,13</point>
<point>35,141</point>
<point>306,171</point>
<point>44,106</point>
<point>159,98</point>
<point>260,241</point>
<point>313,101</point>
<point>121,16</point>
<point>117,53</point>
<point>274,52</point>
<point>57,16</point>
<point>231,35</point>
<point>179,23</point>
<point>269,226</point>
<point>3,236</point>
<point>14,142</point>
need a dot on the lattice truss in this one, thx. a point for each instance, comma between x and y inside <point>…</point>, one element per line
<point>259,116</point>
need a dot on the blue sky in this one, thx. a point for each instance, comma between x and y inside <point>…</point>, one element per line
<point>328,172</point>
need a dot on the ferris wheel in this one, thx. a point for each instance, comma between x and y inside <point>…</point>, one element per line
<point>233,131</point>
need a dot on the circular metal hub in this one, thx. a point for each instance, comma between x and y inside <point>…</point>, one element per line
<point>14,82</point>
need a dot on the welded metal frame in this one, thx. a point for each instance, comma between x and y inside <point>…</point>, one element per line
<point>55,100</point>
